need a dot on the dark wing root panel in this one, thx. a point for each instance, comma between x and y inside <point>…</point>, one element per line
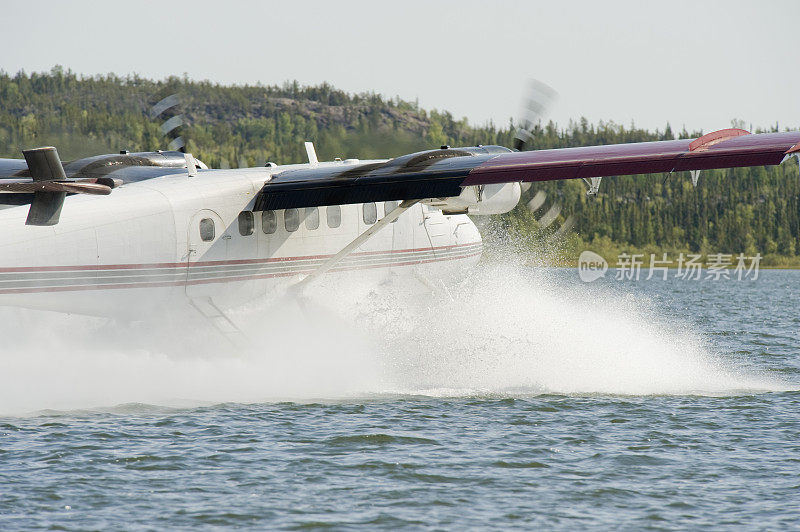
<point>274,197</point>
<point>434,174</point>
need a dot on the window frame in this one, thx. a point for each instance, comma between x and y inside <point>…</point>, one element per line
<point>273,224</point>
<point>250,226</point>
<point>395,204</point>
<point>373,206</point>
<point>213,229</point>
<point>295,217</point>
<point>333,208</point>
<point>311,214</point>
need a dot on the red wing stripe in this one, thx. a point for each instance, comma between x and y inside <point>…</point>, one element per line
<point>719,150</point>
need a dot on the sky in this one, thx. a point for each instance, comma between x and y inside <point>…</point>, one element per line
<point>697,64</point>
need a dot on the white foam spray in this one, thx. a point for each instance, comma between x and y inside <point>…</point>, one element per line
<point>521,331</point>
<point>505,330</point>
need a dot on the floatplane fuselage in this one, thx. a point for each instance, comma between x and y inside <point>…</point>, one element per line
<point>176,237</point>
<point>175,230</point>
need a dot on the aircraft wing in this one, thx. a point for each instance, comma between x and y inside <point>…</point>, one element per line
<point>444,173</point>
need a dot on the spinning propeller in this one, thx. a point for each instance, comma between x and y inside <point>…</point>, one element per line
<point>168,108</point>
<point>536,105</point>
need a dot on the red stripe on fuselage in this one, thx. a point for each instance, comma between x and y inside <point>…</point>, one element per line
<point>101,267</point>
<point>164,284</point>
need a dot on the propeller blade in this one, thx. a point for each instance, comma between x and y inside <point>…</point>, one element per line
<point>568,224</point>
<point>168,108</point>
<point>537,201</point>
<point>539,99</point>
<point>550,216</point>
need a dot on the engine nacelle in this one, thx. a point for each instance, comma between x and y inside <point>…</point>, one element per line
<point>480,200</point>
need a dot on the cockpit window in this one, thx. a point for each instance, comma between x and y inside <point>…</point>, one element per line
<point>206,229</point>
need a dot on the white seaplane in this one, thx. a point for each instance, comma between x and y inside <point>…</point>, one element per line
<point>120,235</point>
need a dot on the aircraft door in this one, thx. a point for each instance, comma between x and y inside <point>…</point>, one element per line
<point>244,237</point>
<point>207,241</point>
<point>437,227</point>
<point>403,227</point>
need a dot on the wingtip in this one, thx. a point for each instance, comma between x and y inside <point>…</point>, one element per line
<point>715,137</point>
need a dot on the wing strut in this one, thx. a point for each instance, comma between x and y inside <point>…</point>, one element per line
<point>695,176</point>
<point>355,244</point>
<point>594,185</point>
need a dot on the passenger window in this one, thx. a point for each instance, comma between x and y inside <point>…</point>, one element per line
<point>291,219</point>
<point>370,213</point>
<point>206,229</point>
<point>334,213</point>
<point>389,206</point>
<point>269,222</point>
<point>247,223</point>
<point>312,218</point>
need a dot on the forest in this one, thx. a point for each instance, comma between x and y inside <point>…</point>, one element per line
<point>750,210</point>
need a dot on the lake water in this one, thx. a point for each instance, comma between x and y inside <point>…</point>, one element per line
<point>521,398</point>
